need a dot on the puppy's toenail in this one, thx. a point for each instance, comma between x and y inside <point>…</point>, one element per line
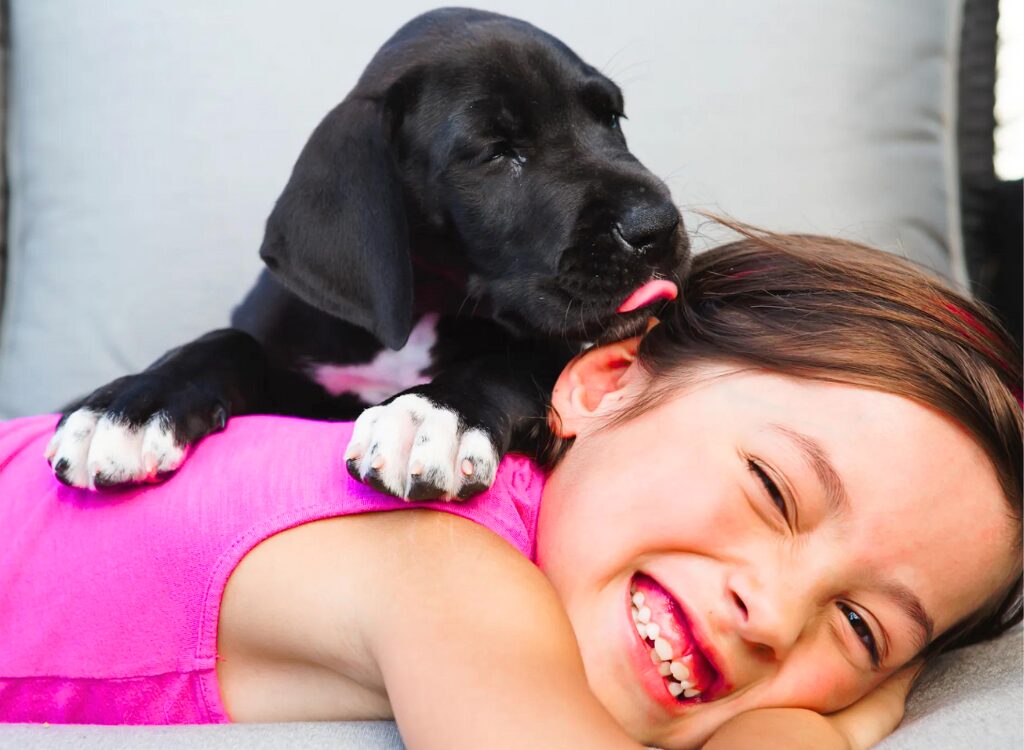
<point>378,462</point>
<point>467,467</point>
<point>102,481</point>
<point>61,471</point>
<point>416,468</point>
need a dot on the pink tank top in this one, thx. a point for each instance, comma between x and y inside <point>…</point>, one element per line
<point>109,602</point>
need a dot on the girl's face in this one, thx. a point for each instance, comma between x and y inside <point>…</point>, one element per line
<point>792,542</point>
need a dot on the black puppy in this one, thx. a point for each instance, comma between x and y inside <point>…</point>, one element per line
<point>453,232</point>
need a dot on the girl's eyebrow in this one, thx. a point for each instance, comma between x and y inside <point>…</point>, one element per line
<point>911,606</point>
<point>839,504</point>
<point>817,458</point>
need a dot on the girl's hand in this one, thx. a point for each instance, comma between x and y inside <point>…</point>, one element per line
<point>858,727</point>
<point>874,717</point>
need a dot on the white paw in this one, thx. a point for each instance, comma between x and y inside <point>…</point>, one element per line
<point>95,450</point>
<point>414,449</point>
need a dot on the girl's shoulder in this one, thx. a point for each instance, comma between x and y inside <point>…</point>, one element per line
<point>455,624</point>
<point>370,600</point>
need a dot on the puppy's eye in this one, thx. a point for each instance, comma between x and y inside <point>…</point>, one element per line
<point>505,150</point>
<point>615,120</point>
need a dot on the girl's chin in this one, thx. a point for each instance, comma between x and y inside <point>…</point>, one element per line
<point>644,721</point>
<point>690,731</point>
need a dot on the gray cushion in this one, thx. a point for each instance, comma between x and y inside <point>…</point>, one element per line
<point>149,140</point>
<point>972,698</point>
<point>353,735</point>
<point>4,50</point>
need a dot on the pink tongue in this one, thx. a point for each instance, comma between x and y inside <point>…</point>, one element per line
<point>648,293</point>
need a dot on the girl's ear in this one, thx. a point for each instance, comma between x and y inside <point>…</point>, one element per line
<point>591,383</point>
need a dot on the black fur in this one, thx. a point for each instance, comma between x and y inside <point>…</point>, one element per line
<point>477,170</point>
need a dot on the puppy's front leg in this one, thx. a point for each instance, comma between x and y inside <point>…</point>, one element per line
<point>138,428</point>
<point>444,440</point>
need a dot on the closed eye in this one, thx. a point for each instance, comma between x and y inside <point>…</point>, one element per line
<point>505,150</point>
<point>770,487</point>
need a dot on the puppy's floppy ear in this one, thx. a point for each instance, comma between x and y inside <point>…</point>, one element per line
<point>338,236</point>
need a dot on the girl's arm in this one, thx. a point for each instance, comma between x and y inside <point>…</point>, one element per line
<point>473,645</point>
<point>858,727</point>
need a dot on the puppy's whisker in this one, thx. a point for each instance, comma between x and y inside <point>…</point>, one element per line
<point>628,81</point>
<point>565,321</point>
<point>671,174</point>
<point>607,66</point>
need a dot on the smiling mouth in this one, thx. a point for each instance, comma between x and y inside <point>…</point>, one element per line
<point>688,670</point>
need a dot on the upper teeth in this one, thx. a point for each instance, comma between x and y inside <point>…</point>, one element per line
<point>662,652</point>
<point>664,648</point>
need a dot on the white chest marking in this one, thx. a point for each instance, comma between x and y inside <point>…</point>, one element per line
<point>389,372</point>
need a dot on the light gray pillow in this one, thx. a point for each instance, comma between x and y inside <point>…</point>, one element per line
<point>148,141</point>
<point>972,698</point>
<point>351,735</point>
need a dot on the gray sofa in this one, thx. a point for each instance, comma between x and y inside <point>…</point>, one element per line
<point>147,141</point>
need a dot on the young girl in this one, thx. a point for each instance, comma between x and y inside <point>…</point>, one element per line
<point>802,481</point>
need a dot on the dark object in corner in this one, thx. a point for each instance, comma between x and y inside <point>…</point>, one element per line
<point>991,210</point>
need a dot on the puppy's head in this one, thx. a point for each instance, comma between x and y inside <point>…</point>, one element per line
<point>481,144</point>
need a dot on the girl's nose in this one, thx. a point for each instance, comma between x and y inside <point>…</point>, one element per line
<point>768,616</point>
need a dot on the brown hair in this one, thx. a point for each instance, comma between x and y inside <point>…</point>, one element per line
<point>834,310</point>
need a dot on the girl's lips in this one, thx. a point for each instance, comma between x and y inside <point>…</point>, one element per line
<point>678,636</point>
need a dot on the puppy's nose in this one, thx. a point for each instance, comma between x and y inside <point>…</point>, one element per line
<point>647,225</point>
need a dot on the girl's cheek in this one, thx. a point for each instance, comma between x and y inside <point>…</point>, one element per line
<point>828,690</point>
